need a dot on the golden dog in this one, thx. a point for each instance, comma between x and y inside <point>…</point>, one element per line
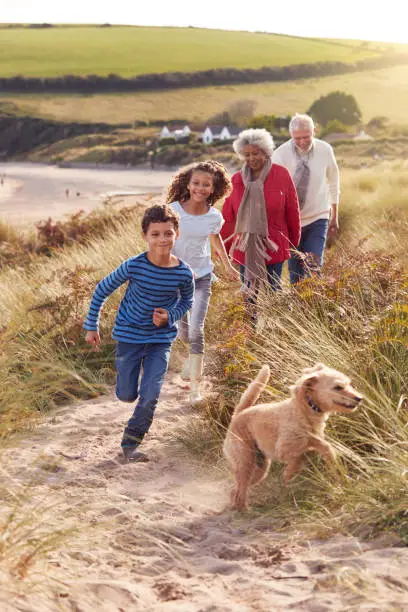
<point>284,431</point>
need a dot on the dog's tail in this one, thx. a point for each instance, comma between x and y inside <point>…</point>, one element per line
<point>254,390</point>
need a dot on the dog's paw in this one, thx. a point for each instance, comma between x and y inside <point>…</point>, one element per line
<point>240,505</point>
<point>240,508</point>
<point>331,456</point>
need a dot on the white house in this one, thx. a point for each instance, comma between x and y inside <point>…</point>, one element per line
<point>219,132</point>
<point>164,132</point>
<point>177,133</point>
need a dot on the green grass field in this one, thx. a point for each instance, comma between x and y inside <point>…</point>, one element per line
<point>129,51</point>
<point>378,92</point>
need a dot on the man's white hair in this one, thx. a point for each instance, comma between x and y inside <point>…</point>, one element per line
<point>257,137</point>
<point>301,122</point>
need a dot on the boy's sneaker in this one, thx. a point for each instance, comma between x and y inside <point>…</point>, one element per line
<point>132,454</point>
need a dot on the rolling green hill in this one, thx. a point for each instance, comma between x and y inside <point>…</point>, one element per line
<point>129,50</point>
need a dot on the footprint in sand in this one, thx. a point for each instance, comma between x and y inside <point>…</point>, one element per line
<point>113,596</point>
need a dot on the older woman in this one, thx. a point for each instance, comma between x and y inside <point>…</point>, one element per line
<point>261,215</point>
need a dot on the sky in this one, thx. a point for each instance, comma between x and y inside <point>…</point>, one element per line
<point>358,19</point>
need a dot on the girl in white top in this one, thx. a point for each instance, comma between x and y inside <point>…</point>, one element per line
<point>192,193</point>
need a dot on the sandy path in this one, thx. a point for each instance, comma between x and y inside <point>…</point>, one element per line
<point>32,192</point>
<point>151,537</point>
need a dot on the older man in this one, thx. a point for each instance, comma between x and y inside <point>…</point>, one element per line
<point>314,170</point>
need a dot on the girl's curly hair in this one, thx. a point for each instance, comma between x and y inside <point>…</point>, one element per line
<point>178,190</point>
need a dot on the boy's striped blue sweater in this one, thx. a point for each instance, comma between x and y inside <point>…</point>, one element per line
<point>149,287</point>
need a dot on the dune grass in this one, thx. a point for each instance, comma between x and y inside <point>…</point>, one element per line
<point>355,318</point>
<point>372,89</point>
<point>26,528</point>
<point>44,363</point>
<point>44,360</point>
<point>373,205</point>
<point>129,51</point>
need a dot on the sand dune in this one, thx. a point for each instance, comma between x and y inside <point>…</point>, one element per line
<point>154,536</point>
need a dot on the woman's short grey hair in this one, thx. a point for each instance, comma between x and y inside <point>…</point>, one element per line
<point>301,122</point>
<point>258,137</point>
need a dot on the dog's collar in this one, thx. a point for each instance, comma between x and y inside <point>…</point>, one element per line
<point>312,404</point>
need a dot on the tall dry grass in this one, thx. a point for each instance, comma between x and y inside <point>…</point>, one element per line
<point>44,362</point>
<point>374,204</point>
<point>355,319</point>
<point>43,358</point>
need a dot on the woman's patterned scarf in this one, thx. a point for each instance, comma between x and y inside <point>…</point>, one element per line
<point>251,228</point>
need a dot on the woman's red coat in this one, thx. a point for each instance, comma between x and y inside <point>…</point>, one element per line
<point>282,211</point>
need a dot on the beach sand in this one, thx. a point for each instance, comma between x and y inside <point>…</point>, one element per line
<point>9,187</point>
<point>34,192</point>
<point>155,536</point>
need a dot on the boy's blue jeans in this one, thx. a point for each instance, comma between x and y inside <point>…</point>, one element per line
<point>153,360</point>
<point>312,240</point>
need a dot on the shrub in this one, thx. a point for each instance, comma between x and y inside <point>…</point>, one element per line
<point>336,105</point>
<point>263,121</point>
<point>334,126</point>
<point>379,122</point>
<point>167,141</point>
<point>175,155</point>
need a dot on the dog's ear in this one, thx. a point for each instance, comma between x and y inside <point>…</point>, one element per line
<point>316,368</point>
<point>309,381</point>
<point>305,382</point>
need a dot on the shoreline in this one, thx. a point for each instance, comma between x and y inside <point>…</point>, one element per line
<point>33,192</point>
<point>8,188</point>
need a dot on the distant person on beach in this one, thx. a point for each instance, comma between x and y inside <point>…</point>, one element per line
<point>67,193</point>
<point>312,164</point>
<point>159,292</point>
<point>192,194</point>
<point>261,216</point>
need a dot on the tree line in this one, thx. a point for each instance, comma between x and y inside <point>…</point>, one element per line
<point>22,134</point>
<point>172,80</point>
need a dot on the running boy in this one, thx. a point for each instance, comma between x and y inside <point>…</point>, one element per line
<point>160,291</point>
